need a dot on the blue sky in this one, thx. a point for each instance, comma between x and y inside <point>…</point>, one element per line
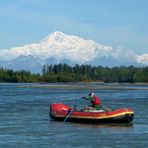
<point>118,23</point>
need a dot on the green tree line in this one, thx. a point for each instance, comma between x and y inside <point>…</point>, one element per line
<point>78,73</point>
<point>7,75</point>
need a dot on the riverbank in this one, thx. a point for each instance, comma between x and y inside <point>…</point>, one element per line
<point>90,86</point>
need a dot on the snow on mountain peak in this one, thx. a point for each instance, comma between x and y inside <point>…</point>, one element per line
<point>55,36</point>
<point>72,48</point>
<point>60,46</point>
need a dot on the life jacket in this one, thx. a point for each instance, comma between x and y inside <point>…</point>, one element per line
<point>96,101</point>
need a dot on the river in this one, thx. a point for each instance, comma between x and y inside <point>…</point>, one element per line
<point>25,121</point>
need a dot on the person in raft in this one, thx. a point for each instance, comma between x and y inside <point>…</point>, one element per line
<point>95,101</point>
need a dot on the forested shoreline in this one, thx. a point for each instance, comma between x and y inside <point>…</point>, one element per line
<point>78,73</point>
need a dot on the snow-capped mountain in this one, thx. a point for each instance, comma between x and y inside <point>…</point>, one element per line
<point>24,63</point>
<point>58,47</point>
<point>109,61</point>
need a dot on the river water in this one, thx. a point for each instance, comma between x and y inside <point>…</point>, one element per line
<point>25,121</point>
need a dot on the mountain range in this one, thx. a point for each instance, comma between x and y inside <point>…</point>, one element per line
<point>58,47</point>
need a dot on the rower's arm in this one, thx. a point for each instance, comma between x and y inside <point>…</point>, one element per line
<point>88,98</point>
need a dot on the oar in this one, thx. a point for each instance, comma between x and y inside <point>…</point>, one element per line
<point>69,114</point>
<point>107,109</point>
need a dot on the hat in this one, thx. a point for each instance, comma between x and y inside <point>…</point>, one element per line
<point>91,94</point>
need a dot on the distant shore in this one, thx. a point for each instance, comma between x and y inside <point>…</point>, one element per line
<point>90,86</point>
